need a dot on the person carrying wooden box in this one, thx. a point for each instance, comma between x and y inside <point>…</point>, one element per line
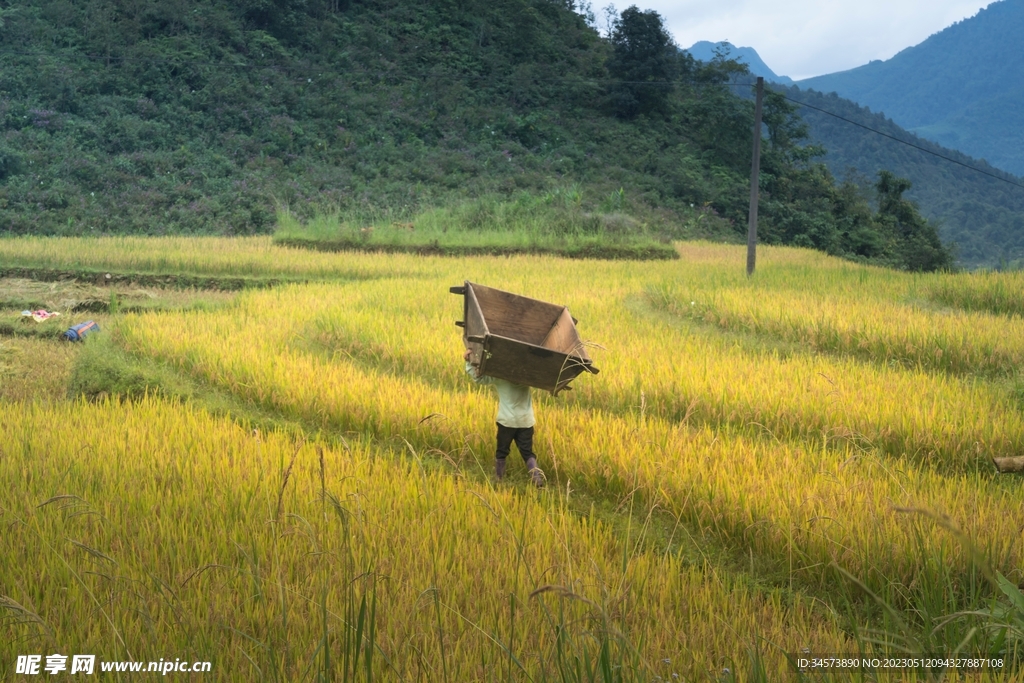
<point>515,423</point>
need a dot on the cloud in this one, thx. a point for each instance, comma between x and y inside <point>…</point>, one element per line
<point>803,38</point>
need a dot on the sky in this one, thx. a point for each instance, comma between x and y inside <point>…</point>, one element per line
<point>804,38</point>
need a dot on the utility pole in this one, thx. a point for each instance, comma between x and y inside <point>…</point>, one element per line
<point>755,168</point>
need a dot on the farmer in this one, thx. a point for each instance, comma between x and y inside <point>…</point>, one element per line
<point>515,423</point>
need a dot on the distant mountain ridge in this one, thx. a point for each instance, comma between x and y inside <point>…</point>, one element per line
<point>962,88</point>
<point>983,215</point>
<point>705,52</point>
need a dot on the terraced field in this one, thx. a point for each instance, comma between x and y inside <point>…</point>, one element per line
<point>297,486</point>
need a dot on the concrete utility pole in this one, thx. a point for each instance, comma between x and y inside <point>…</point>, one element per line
<point>755,168</point>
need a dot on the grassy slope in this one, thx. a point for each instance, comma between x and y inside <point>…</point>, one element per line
<point>552,224</point>
<point>207,116</point>
<point>154,117</point>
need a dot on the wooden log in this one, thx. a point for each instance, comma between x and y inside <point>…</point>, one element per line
<point>1009,465</point>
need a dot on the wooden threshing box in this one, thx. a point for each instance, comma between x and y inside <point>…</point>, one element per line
<point>522,340</point>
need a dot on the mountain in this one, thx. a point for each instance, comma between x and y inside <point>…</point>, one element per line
<point>963,87</point>
<point>204,116</point>
<point>706,51</point>
<point>983,215</point>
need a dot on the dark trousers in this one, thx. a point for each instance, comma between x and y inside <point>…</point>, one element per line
<point>522,436</point>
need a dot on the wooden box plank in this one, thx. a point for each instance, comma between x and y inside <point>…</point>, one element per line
<point>563,337</point>
<point>530,365</point>
<point>516,317</point>
<point>475,328</point>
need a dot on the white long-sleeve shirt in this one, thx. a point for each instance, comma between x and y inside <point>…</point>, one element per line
<point>515,404</point>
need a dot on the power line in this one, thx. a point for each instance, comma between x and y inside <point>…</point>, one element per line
<point>904,142</point>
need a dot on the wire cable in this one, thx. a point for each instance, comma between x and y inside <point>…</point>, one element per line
<point>904,142</point>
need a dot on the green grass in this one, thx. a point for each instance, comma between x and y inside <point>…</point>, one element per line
<point>550,223</point>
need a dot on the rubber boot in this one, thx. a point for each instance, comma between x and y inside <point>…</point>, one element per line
<point>499,468</point>
<point>536,474</point>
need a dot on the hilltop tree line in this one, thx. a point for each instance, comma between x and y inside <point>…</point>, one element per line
<point>189,116</point>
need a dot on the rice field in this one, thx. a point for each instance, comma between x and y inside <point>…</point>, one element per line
<point>714,472</point>
<point>235,257</point>
<point>172,534</point>
<point>993,292</point>
<point>756,462</point>
<point>33,369</point>
<point>891,331</point>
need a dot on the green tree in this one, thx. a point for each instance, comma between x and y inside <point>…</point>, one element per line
<point>644,60</point>
<point>916,241</point>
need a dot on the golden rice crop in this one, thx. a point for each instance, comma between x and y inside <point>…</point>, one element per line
<point>803,505</point>
<point>953,423</point>
<point>241,256</point>
<point>234,256</point>
<point>995,292</point>
<point>34,368</point>
<point>884,331</point>
<point>151,531</point>
<point>702,263</point>
<point>801,458</point>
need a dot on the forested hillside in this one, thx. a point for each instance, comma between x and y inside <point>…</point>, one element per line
<point>154,116</point>
<point>982,214</point>
<point>962,88</point>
